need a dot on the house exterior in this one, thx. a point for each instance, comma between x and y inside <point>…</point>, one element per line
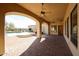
<point>63,19</point>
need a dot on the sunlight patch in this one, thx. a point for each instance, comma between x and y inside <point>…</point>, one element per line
<point>42,39</point>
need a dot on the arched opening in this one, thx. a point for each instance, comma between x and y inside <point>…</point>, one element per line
<point>21,30</point>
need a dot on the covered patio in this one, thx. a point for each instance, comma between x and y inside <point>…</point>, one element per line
<point>61,21</point>
<point>51,46</point>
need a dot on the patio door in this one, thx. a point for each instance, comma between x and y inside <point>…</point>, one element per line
<point>60,30</point>
<point>54,30</point>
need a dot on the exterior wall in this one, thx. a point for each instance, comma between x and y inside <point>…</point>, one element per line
<point>78,28</point>
<point>45,28</point>
<point>56,33</point>
<point>1,34</point>
<point>74,50</point>
<point>39,29</point>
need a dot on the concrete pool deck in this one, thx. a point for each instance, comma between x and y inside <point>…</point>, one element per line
<point>15,46</point>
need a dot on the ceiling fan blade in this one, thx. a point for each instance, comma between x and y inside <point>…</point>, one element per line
<point>45,16</point>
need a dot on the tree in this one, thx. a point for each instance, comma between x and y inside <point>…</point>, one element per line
<point>6,26</point>
<point>10,27</point>
<point>30,29</point>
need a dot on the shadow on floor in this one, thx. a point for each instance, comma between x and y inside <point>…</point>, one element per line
<point>52,46</point>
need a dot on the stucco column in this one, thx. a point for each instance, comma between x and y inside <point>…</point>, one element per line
<point>39,30</point>
<point>69,29</point>
<point>48,28</point>
<point>78,25</point>
<point>2,33</point>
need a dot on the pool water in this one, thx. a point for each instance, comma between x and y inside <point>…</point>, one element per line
<point>15,34</point>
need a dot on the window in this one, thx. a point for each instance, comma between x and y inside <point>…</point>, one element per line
<point>74,26</point>
<point>54,29</point>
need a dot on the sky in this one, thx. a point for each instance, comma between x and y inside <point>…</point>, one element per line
<point>19,21</point>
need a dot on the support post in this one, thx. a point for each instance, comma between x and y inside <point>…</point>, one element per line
<point>39,30</point>
<point>48,28</point>
<point>2,17</point>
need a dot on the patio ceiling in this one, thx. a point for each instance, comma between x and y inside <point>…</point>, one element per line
<point>53,12</point>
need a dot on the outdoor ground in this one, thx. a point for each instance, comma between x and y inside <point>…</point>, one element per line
<point>15,46</point>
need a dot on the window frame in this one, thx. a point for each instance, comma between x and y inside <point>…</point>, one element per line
<point>74,41</point>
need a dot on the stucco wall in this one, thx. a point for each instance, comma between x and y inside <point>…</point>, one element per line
<point>60,23</point>
<point>74,50</point>
<point>1,34</point>
<point>45,28</point>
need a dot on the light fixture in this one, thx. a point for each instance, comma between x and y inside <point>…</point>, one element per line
<point>42,11</point>
<point>42,15</point>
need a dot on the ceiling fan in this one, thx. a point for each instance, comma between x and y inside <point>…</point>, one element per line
<point>43,11</point>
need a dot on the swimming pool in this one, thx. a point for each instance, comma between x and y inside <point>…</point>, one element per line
<point>22,33</point>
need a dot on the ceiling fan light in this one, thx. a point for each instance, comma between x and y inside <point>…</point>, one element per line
<point>42,12</point>
<point>42,15</point>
